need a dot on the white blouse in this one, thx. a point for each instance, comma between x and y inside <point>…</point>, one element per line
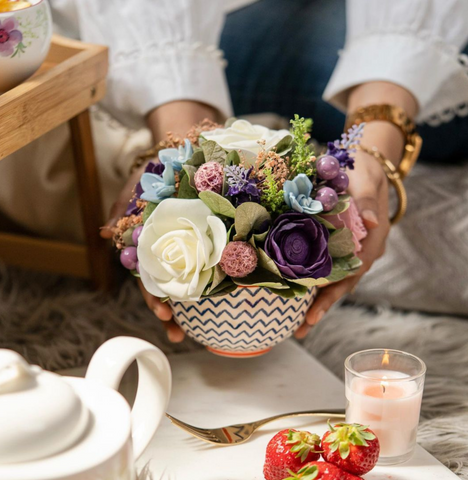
<point>164,50</point>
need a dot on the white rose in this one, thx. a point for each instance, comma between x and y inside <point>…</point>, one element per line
<point>244,136</point>
<point>180,244</point>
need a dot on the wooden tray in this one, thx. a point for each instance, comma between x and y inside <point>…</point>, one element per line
<point>72,78</point>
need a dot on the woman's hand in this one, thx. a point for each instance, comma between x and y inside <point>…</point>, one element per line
<point>369,187</point>
<point>176,117</point>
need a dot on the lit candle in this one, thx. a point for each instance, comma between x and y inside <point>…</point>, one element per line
<point>384,391</point>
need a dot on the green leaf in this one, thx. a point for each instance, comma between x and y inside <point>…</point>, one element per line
<point>233,158</point>
<point>261,278</point>
<point>218,204</point>
<point>127,237</point>
<point>284,145</point>
<point>149,209</point>
<point>213,152</point>
<point>190,172</point>
<point>341,207</point>
<point>257,238</point>
<point>284,293</point>
<point>322,220</point>
<point>299,290</point>
<point>198,158</point>
<point>310,282</point>
<point>224,288</point>
<point>249,217</point>
<point>264,261</point>
<point>350,263</point>
<point>185,189</point>
<point>337,274</point>
<point>218,277</point>
<point>341,243</point>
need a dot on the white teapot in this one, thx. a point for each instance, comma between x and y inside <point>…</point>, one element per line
<point>54,427</point>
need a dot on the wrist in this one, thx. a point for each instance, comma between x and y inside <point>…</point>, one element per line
<point>178,117</point>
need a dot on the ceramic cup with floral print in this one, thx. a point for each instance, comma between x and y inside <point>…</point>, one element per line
<point>25,37</point>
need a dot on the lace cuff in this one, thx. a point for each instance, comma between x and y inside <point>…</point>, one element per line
<point>141,80</point>
<point>432,70</point>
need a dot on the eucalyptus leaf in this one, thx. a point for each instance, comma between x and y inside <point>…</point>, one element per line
<point>264,261</point>
<point>299,290</point>
<point>261,278</point>
<point>337,274</point>
<point>198,158</point>
<point>350,263</point>
<point>324,222</point>
<point>213,152</point>
<point>190,170</point>
<point>127,237</point>
<point>341,207</point>
<point>185,189</point>
<point>218,204</point>
<point>310,282</point>
<point>149,209</point>
<point>284,145</point>
<point>224,288</point>
<point>249,217</point>
<point>341,243</point>
<point>233,158</point>
<point>218,277</point>
<point>285,293</point>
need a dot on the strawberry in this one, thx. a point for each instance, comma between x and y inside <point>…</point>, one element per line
<point>321,471</point>
<point>288,451</point>
<point>352,447</point>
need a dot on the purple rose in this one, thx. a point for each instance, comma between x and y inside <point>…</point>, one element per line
<point>298,244</point>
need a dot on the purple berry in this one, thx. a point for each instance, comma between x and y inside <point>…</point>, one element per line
<point>339,183</point>
<point>328,197</point>
<point>129,258</point>
<point>136,235</point>
<point>328,167</point>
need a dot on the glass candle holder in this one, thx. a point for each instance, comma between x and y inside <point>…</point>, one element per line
<point>384,390</point>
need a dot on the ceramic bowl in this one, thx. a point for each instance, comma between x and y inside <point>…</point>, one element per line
<point>25,37</point>
<point>245,323</point>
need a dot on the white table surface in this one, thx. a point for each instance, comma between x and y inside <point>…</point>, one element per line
<point>210,391</point>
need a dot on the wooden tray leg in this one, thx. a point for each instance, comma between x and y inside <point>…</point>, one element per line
<point>99,252</point>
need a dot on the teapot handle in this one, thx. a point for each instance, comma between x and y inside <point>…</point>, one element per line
<point>108,366</point>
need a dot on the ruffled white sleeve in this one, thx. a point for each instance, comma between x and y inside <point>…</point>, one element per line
<point>412,43</point>
<point>160,51</point>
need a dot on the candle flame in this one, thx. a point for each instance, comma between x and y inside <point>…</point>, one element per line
<point>384,384</point>
<point>386,358</point>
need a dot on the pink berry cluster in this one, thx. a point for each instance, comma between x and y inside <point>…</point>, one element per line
<point>128,256</point>
<point>210,176</point>
<point>328,168</point>
<point>238,259</point>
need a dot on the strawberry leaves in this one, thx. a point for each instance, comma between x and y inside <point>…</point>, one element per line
<point>305,473</point>
<point>302,443</point>
<point>343,435</point>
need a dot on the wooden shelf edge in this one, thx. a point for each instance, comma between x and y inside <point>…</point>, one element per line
<point>44,255</point>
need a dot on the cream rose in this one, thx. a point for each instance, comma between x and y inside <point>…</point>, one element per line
<point>180,244</point>
<point>244,136</point>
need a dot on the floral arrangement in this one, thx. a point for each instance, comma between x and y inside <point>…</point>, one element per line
<point>243,206</point>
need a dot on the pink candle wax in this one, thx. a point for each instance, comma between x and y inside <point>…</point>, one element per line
<point>390,407</point>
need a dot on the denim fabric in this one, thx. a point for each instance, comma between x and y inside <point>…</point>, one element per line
<point>281,54</point>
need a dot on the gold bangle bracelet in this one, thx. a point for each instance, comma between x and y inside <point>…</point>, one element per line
<point>394,178</point>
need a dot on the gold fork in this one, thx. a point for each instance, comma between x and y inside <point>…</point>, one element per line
<point>240,433</point>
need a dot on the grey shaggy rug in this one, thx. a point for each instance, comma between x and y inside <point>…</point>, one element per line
<point>58,323</point>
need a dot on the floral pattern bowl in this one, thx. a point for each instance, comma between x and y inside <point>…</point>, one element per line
<point>25,37</point>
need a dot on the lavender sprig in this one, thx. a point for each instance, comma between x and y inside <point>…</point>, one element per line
<point>342,149</point>
<point>241,187</point>
<point>353,137</point>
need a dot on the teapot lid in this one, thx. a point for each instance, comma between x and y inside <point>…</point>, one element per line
<point>41,414</point>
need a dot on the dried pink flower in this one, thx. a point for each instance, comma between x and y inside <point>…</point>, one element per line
<point>238,259</point>
<point>209,176</point>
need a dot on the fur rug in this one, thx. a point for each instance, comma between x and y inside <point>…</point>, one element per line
<point>58,323</point>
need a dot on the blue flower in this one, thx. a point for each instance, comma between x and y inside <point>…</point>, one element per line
<point>297,195</point>
<point>176,156</point>
<point>158,187</point>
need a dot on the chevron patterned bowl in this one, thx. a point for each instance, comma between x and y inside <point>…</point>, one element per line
<point>246,323</point>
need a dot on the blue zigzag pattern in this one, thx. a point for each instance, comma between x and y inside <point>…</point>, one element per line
<point>242,327</point>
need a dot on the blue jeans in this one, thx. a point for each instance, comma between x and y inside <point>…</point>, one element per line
<point>281,54</point>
